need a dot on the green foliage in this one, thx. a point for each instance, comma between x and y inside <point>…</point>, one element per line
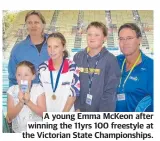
<point>8,19</point>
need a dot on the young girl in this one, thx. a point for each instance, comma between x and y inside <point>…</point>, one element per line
<point>25,104</point>
<point>59,76</point>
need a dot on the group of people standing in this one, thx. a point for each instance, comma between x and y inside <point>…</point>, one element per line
<point>93,81</point>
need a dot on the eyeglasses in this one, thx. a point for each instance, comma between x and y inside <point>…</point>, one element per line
<point>121,39</point>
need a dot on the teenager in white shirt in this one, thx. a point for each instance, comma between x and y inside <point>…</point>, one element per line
<point>59,76</point>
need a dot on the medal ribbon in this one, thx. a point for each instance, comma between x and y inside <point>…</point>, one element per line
<point>57,79</point>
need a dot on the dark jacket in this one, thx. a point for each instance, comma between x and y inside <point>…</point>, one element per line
<point>104,84</point>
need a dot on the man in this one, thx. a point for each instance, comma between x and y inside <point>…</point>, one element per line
<point>135,91</point>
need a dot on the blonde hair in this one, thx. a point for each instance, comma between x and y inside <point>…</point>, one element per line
<point>34,12</point>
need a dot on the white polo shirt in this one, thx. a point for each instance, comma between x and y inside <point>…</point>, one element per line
<point>69,84</point>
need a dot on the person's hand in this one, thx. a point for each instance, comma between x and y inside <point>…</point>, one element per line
<point>26,97</point>
<point>8,120</point>
<point>78,110</point>
<point>21,97</point>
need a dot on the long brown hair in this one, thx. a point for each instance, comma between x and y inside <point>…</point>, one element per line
<point>63,40</point>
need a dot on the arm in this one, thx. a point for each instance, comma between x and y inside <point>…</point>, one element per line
<point>78,110</point>
<point>77,103</point>
<point>13,111</point>
<point>39,74</point>
<point>12,68</point>
<point>150,86</point>
<point>112,77</point>
<point>41,104</point>
<point>150,79</point>
<point>69,103</point>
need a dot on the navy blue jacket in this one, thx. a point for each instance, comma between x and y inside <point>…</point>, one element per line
<point>105,81</point>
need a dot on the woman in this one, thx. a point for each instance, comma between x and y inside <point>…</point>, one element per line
<point>99,73</point>
<point>135,92</point>
<point>32,49</point>
<point>59,76</point>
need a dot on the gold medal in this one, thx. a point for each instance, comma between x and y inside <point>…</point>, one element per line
<point>54,97</point>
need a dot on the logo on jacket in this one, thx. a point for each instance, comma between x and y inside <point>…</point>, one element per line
<point>143,69</point>
<point>133,78</point>
<point>65,83</point>
<point>46,82</point>
<point>90,70</point>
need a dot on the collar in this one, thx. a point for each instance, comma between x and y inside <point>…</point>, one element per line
<point>87,49</point>
<point>143,56</point>
<point>103,52</point>
<point>30,42</point>
<point>65,66</point>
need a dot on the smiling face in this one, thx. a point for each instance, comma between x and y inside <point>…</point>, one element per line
<point>95,37</point>
<point>34,25</point>
<point>55,48</point>
<point>24,73</point>
<point>128,41</point>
